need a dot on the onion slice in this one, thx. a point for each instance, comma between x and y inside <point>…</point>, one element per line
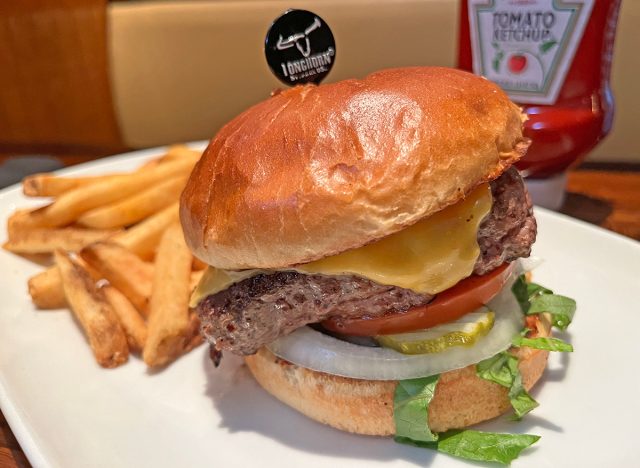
<point>314,350</point>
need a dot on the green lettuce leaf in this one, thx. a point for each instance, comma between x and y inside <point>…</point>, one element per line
<point>526,292</point>
<point>561,308</point>
<point>520,399</point>
<point>410,408</point>
<point>478,446</point>
<point>519,290</point>
<point>534,290</point>
<point>547,344</point>
<point>536,299</point>
<point>485,446</point>
<point>496,369</point>
<point>411,415</point>
<point>503,370</point>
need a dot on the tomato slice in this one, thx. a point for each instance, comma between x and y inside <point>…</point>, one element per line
<point>466,296</point>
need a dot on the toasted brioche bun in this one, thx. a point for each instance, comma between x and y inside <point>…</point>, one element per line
<point>317,170</point>
<point>461,398</point>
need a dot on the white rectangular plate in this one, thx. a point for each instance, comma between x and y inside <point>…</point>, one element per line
<point>68,412</point>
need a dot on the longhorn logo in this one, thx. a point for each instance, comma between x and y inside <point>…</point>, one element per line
<point>296,39</point>
<point>299,47</point>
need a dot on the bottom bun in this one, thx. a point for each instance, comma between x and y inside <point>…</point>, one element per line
<point>366,406</point>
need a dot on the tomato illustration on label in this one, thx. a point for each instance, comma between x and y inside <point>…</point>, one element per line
<point>517,63</point>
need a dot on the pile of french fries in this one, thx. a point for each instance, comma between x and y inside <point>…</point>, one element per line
<point>120,262</point>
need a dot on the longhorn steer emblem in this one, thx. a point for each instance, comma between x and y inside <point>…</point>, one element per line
<point>295,39</point>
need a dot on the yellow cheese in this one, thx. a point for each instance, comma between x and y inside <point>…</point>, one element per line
<point>428,257</point>
<point>215,280</point>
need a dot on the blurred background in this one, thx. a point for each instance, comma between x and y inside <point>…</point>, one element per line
<point>83,79</point>
<point>93,76</point>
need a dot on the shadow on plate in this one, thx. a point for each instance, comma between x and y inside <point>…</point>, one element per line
<point>245,407</point>
<point>556,373</point>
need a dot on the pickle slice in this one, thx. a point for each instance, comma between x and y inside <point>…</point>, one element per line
<point>462,332</point>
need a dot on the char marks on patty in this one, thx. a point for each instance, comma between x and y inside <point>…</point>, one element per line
<point>258,310</point>
<point>509,230</point>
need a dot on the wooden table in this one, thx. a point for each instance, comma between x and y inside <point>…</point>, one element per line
<point>603,194</point>
<point>607,195</point>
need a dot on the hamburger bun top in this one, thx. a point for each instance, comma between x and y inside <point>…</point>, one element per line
<point>317,170</point>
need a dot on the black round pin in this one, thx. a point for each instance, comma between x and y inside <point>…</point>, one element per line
<point>300,48</point>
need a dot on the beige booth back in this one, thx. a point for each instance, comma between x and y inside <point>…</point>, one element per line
<point>181,69</point>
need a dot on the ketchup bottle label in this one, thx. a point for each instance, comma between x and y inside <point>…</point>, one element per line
<point>527,46</point>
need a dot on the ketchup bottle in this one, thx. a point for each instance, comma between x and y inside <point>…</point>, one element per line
<point>553,57</point>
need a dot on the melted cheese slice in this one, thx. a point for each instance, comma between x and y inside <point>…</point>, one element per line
<point>428,257</point>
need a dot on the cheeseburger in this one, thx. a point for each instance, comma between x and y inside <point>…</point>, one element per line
<point>363,239</point>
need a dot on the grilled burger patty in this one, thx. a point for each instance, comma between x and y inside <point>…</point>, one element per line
<point>509,230</point>
<point>257,310</point>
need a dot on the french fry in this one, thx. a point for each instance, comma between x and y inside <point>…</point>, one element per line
<point>71,205</point>
<point>46,290</point>
<point>143,238</point>
<point>47,184</point>
<point>87,215</point>
<point>18,222</point>
<point>194,337</point>
<point>150,164</point>
<point>98,320</point>
<point>170,326</point>
<point>130,319</point>
<point>46,240</point>
<point>173,152</point>
<point>124,270</point>
<point>51,185</point>
<point>180,151</point>
<point>136,207</point>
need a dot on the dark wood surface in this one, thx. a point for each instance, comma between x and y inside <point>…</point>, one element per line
<point>11,455</point>
<point>603,194</point>
<point>607,198</point>
<point>54,84</point>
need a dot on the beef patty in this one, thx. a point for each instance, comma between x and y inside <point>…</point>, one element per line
<point>257,310</point>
